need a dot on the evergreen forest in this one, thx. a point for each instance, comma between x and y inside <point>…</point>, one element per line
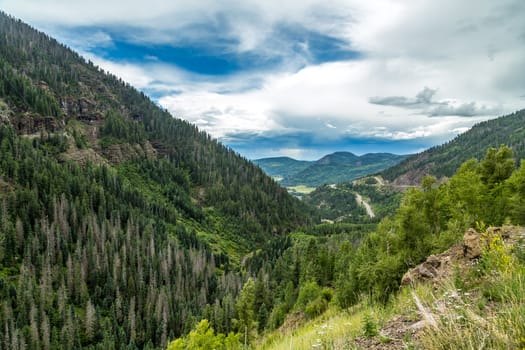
<point>122,227</point>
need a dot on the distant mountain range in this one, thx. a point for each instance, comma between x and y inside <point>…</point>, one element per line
<point>443,161</point>
<point>333,168</point>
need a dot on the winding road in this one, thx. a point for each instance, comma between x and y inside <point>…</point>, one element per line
<point>367,206</point>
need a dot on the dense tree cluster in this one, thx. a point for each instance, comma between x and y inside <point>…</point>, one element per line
<point>116,255</point>
<point>88,259</point>
<point>116,129</point>
<point>339,202</point>
<point>345,263</point>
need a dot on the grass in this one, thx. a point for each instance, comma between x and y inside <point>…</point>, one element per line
<point>492,319</point>
<point>332,330</point>
<point>489,311</point>
<point>485,311</point>
<point>335,329</point>
<point>301,189</point>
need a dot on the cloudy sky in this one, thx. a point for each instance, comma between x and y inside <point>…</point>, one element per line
<point>306,77</point>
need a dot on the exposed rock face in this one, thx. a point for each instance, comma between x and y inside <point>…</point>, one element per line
<point>121,152</point>
<point>462,255</point>
<point>472,247</point>
<point>31,124</point>
<point>81,156</point>
<point>415,175</point>
<point>81,109</point>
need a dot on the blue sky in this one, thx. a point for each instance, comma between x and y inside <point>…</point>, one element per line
<point>306,78</point>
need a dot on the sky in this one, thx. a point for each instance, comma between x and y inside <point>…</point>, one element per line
<point>304,78</point>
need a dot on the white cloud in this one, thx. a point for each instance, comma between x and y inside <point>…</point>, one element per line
<point>470,55</point>
<point>330,101</point>
<point>130,73</point>
<point>249,21</point>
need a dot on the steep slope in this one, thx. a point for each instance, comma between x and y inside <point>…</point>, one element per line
<point>470,296</point>
<point>50,88</point>
<point>342,167</point>
<point>119,225</point>
<point>445,159</point>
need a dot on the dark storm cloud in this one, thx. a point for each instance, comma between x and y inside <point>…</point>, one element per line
<point>422,99</point>
<point>425,103</point>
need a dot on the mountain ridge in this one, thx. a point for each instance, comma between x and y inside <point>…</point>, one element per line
<point>119,224</point>
<point>336,167</point>
<point>443,160</point>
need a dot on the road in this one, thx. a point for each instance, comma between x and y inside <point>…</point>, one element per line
<point>360,201</point>
<point>379,180</point>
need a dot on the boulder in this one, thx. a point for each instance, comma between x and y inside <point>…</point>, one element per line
<point>472,247</point>
<point>424,271</point>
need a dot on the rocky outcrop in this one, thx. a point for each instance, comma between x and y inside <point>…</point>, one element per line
<point>81,156</point>
<point>472,246</point>
<point>461,256</point>
<point>121,152</point>
<point>30,124</point>
<point>81,108</point>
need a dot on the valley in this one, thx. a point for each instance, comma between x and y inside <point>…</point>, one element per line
<point>124,227</point>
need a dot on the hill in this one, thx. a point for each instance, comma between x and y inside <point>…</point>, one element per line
<point>333,168</point>
<point>444,160</point>
<point>344,202</point>
<point>119,225</point>
<point>282,167</point>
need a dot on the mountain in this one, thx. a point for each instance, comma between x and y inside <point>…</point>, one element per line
<point>333,168</point>
<point>119,225</point>
<point>124,228</point>
<point>281,167</point>
<point>338,158</point>
<point>444,160</point>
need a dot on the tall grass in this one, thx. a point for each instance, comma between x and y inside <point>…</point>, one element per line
<point>334,330</point>
<point>495,319</point>
<point>483,310</point>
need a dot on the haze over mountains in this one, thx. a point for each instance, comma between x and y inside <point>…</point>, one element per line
<point>333,168</point>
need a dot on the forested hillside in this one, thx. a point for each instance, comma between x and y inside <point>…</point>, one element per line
<point>346,268</point>
<point>445,159</point>
<point>118,223</point>
<point>332,168</point>
<point>282,167</point>
<point>124,228</point>
<point>339,202</point>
